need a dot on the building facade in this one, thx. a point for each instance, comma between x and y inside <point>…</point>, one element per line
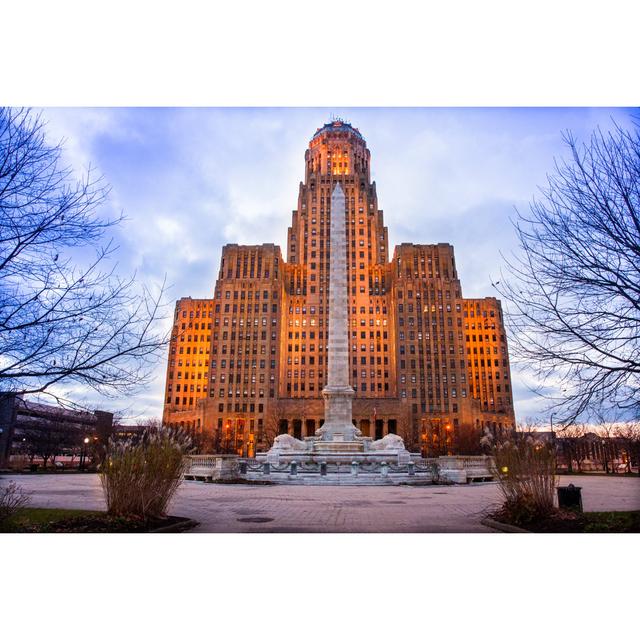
<point>252,361</point>
<point>38,430</point>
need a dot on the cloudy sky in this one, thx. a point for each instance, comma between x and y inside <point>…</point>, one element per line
<point>190,180</point>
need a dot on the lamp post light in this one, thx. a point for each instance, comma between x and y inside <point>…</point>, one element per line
<point>83,454</point>
<point>227,437</point>
<point>447,440</point>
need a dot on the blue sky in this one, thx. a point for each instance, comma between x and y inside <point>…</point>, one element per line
<point>190,180</point>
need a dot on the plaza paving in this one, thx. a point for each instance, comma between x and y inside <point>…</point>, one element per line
<point>277,508</point>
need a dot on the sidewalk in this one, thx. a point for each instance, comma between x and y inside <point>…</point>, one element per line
<point>277,508</point>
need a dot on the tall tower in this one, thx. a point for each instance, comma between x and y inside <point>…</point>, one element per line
<point>337,154</point>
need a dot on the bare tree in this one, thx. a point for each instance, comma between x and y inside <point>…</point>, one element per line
<point>574,291</point>
<point>64,318</point>
<point>47,443</point>
<point>629,436</point>
<point>149,424</point>
<point>406,428</point>
<point>605,430</point>
<point>467,440</point>
<point>206,441</point>
<point>570,444</point>
<point>276,414</point>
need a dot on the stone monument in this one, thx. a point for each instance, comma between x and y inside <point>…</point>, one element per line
<point>338,394</point>
<point>338,440</point>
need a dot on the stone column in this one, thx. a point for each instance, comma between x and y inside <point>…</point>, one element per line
<point>338,393</point>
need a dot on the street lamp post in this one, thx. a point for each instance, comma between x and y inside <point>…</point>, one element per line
<point>447,441</point>
<point>227,438</point>
<point>605,456</point>
<point>83,454</point>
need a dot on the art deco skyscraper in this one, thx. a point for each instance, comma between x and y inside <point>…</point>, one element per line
<point>424,362</point>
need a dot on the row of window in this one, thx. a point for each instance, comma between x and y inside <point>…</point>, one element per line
<point>242,294</point>
<point>238,364</point>
<point>195,314</point>
<point>430,378</point>
<point>239,378</point>
<point>432,294</point>
<point>423,394</point>
<point>302,386</point>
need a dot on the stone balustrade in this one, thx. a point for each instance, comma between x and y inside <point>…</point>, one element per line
<point>211,467</point>
<point>453,469</point>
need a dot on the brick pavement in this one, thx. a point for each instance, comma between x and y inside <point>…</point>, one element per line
<point>277,508</point>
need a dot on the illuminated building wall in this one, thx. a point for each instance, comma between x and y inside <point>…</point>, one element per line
<point>189,355</point>
<point>409,330</point>
<point>487,355</point>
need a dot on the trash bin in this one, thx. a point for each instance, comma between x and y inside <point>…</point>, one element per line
<point>33,467</point>
<point>570,497</point>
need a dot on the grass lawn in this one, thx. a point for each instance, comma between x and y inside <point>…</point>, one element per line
<point>611,522</point>
<point>34,520</point>
<point>563,521</point>
<point>29,517</point>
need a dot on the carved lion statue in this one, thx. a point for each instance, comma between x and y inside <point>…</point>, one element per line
<point>390,442</point>
<point>286,442</point>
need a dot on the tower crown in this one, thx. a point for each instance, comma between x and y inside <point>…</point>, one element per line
<point>337,149</point>
<point>337,126</point>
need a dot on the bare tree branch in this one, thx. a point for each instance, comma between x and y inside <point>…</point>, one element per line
<point>61,322</point>
<point>574,291</point>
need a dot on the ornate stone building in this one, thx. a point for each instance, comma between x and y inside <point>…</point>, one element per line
<point>251,362</point>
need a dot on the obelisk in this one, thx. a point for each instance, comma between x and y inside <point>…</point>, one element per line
<point>338,394</point>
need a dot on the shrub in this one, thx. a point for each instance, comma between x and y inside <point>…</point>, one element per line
<point>12,499</point>
<point>140,476</point>
<point>525,468</point>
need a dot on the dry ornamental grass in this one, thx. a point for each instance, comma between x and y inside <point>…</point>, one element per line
<point>139,477</point>
<point>12,500</point>
<point>525,468</point>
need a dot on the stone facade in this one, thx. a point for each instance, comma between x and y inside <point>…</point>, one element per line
<point>422,360</point>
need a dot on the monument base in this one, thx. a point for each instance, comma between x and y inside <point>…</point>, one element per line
<point>286,448</point>
<point>345,468</point>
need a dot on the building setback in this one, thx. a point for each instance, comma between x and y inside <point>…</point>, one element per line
<point>252,362</point>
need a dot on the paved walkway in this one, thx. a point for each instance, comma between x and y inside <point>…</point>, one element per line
<point>280,509</point>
